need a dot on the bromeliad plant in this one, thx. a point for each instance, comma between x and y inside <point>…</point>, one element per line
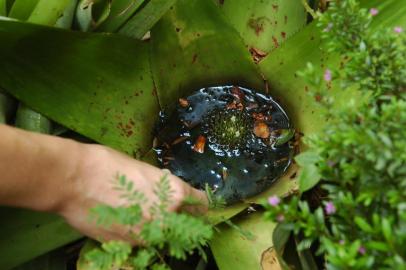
<point>354,217</point>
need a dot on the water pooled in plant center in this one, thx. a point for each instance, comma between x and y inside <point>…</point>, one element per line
<point>234,139</point>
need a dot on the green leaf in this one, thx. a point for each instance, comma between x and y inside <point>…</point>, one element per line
<point>54,260</point>
<point>195,47</point>
<point>363,224</point>
<point>234,251</point>
<point>47,12</point>
<point>66,20</point>
<point>264,25</point>
<point>28,234</point>
<point>143,20</point>
<point>120,12</point>
<point>387,229</point>
<point>110,97</point>
<point>3,7</point>
<point>307,158</point>
<point>309,177</point>
<point>31,120</point>
<point>91,13</point>
<point>22,9</point>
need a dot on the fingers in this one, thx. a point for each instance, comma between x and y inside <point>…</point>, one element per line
<point>202,204</point>
<point>187,198</point>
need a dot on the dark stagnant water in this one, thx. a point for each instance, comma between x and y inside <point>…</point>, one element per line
<point>236,140</point>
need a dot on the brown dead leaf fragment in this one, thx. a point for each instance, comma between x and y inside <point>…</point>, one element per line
<point>235,105</point>
<point>261,130</point>
<point>237,93</point>
<point>269,260</point>
<point>183,102</point>
<point>257,54</point>
<point>199,144</point>
<point>261,117</point>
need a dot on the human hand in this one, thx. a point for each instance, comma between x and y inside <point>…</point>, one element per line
<point>92,186</point>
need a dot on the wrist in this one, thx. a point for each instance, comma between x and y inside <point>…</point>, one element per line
<point>64,182</point>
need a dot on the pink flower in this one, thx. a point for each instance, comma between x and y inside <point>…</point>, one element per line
<point>274,200</point>
<point>373,11</point>
<point>327,75</point>
<point>280,218</point>
<point>330,208</point>
<point>398,29</point>
<point>341,242</point>
<point>362,250</point>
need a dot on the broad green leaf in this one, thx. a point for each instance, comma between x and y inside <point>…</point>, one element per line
<point>307,158</point>
<point>193,47</point>
<point>7,107</point>
<point>114,99</point>
<point>309,176</point>
<point>27,234</point>
<point>363,224</point>
<point>22,9</point>
<point>91,13</point>
<point>264,25</point>
<point>54,260</point>
<point>31,120</point>
<point>232,250</point>
<point>120,12</point>
<point>67,17</point>
<point>47,12</point>
<point>3,7</point>
<point>139,24</point>
<point>107,97</point>
<point>387,229</point>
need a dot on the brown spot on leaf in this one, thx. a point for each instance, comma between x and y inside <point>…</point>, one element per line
<point>275,42</point>
<point>283,34</point>
<point>275,7</point>
<point>194,58</point>
<point>257,54</point>
<point>257,24</point>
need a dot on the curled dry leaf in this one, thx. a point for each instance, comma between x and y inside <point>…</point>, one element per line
<point>183,102</point>
<point>261,130</point>
<point>269,260</point>
<point>199,144</point>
